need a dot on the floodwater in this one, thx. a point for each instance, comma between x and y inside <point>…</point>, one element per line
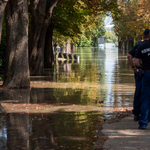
<point>64,108</point>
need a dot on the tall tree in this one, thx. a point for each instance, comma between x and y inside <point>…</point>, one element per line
<point>2,10</point>
<point>48,50</point>
<point>17,68</point>
<point>41,13</point>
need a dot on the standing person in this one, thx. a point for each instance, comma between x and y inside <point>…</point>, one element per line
<point>136,69</point>
<point>143,53</point>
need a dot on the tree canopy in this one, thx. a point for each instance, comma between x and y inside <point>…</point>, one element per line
<point>72,18</point>
<point>133,18</point>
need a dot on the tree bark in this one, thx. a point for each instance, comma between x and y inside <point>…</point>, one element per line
<point>119,43</point>
<point>125,44</point>
<point>48,52</point>
<point>2,10</point>
<point>41,12</point>
<point>132,43</point>
<point>17,67</point>
<point>94,41</point>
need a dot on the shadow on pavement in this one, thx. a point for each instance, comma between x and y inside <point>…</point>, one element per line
<point>125,135</point>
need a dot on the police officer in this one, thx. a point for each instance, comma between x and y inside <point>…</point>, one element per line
<point>136,69</point>
<point>143,53</point>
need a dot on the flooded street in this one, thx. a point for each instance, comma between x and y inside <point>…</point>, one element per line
<point>64,108</point>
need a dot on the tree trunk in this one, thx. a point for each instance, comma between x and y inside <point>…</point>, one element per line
<point>132,43</point>
<point>41,12</point>
<point>17,67</point>
<point>119,44</point>
<point>48,52</point>
<point>2,10</point>
<point>68,46</point>
<point>125,44</point>
<point>128,45</point>
<point>94,41</point>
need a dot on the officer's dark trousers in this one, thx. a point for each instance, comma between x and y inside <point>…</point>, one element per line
<point>137,94</point>
<point>145,99</point>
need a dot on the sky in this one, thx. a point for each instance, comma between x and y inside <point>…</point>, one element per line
<point>108,20</point>
<point>108,23</point>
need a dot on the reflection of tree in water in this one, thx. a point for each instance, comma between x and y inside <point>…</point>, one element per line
<point>2,110</point>
<point>17,124</point>
<point>29,132</point>
<point>22,96</point>
<point>99,55</point>
<point>41,133</point>
<point>37,95</point>
<point>3,132</point>
<point>57,130</point>
<point>89,71</point>
<point>66,68</point>
<point>63,130</point>
<point>42,95</point>
<point>18,131</point>
<point>76,96</point>
<point>77,130</point>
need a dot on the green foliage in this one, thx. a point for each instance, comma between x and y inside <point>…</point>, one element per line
<point>66,18</point>
<point>90,35</point>
<point>76,18</point>
<point>111,37</point>
<point>88,40</point>
<point>84,41</point>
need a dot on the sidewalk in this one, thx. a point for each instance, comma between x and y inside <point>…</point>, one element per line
<point>125,135</point>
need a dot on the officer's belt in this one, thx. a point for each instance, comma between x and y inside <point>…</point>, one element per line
<point>138,70</point>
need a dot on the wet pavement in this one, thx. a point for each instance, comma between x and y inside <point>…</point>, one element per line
<point>65,108</point>
<point>125,135</point>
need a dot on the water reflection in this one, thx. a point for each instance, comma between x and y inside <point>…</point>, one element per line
<point>64,107</point>
<point>53,130</point>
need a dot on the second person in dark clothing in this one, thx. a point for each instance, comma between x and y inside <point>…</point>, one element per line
<point>136,69</point>
<point>143,53</point>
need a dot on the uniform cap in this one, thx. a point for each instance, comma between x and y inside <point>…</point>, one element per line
<point>146,31</point>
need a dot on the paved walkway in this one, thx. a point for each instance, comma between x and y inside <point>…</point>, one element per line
<point>125,135</point>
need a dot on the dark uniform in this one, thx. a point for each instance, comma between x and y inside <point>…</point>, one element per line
<point>143,53</point>
<point>137,94</point>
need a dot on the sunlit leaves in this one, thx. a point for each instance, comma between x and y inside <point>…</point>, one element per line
<point>133,19</point>
<point>111,37</point>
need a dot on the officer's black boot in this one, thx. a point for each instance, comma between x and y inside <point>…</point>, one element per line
<point>136,117</point>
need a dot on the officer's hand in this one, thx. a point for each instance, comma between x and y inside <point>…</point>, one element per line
<point>135,69</point>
